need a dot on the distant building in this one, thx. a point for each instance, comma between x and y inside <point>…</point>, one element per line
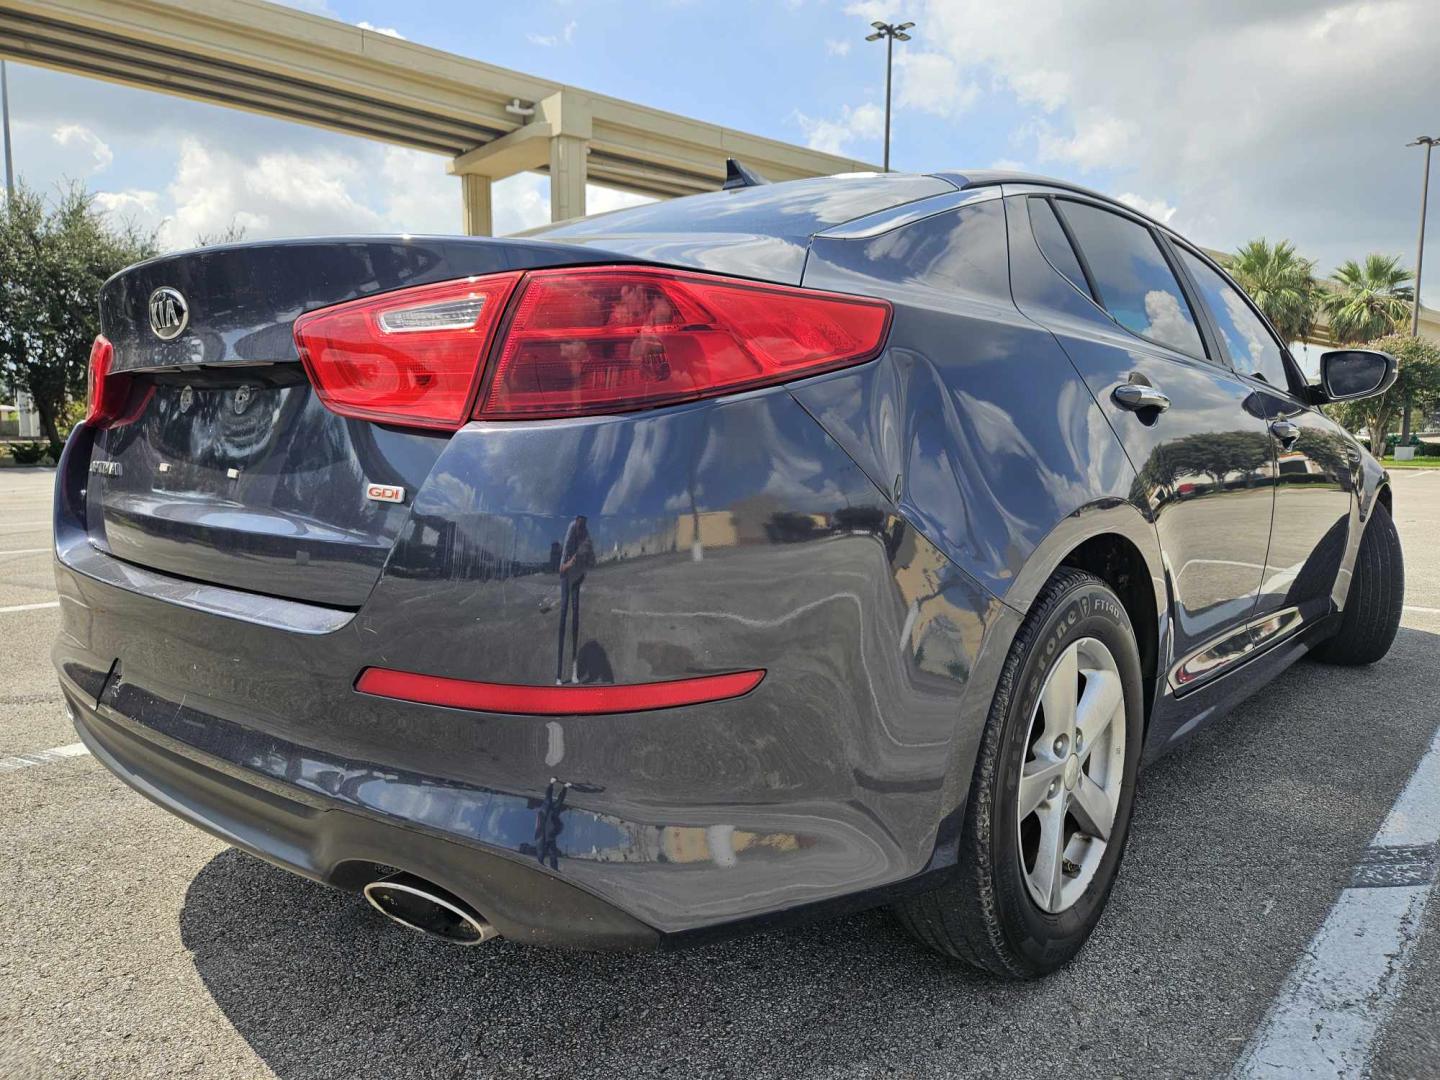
<point>20,420</point>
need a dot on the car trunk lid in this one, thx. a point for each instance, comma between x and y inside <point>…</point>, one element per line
<point>233,472</point>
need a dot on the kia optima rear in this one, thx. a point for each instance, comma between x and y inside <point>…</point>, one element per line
<point>761,554</point>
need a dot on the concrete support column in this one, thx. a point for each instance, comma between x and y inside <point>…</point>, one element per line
<point>567,176</point>
<point>475,190</point>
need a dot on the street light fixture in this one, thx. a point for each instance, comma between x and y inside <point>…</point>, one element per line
<point>1429,142</point>
<point>891,33</point>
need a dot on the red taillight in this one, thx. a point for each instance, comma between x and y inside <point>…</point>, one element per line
<point>407,357</point>
<point>554,700</point>
<point>610,339</point>
<point>107,395</point>
<point>580,342</point>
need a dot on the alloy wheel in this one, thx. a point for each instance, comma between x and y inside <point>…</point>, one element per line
<point>1072,774</point>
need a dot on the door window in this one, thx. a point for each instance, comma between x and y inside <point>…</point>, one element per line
<point>1253,349</point>
<point>1134,280</point>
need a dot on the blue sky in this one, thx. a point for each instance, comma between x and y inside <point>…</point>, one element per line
<point>1229,118</point>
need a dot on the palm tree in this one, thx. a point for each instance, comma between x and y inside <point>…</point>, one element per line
<point>1369,301</point>
<point>1281,283</point>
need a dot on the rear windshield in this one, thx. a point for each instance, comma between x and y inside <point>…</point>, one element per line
<point>795,210</point>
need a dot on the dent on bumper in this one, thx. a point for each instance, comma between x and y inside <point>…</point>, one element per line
<point>341,847</point>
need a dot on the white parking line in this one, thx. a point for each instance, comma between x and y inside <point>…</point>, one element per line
<point>42,757</point>
<point>1340,994</point>
<point>28,607</point>
<point>25,551</point>
<point>1423,610</point>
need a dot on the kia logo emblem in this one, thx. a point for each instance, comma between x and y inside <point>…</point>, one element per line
<point>169,314</point>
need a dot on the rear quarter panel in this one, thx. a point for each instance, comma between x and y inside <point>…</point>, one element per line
<point>973,419</point>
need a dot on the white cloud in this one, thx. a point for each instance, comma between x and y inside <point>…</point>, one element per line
<point>1096,140</point>
<point>133,206</point>
<point>835,136</point>
<point>523,202</point>
<point>1167,322</point>
<point>874,10</point>
<point>601,200</point>
<point>1158,209</point>
<point>388,31</point>
<point>1274,117</point>
<point>420,197</point>
<point>79,135</point>
<point>549,41</point>
<point>837,48</point>
<point>520,202</point>
<point>289,193</point>
<point>1009,165</point>
<point>207,197</point>
<point>931,82</point>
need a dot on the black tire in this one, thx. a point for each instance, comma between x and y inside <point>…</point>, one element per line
<point>1377,594</point>
<point>986,915</point>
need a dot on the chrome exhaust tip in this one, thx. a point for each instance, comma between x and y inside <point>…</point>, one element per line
<point>416,903</point>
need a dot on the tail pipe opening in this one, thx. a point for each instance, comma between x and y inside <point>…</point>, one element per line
<point>414,902</point>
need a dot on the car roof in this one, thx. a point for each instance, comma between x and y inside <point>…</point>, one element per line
<point>978,178</point>
<point>764,230</point>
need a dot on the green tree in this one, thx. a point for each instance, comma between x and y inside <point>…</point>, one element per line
<point>1281,283</point>
<point>1418,382</point>
<point>1368,301</point>
<point>54,256</point>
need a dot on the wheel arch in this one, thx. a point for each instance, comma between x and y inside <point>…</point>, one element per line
<point>1117,543</point>
<point>1385,497</point>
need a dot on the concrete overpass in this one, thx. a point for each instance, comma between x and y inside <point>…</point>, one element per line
<point>491,121</point>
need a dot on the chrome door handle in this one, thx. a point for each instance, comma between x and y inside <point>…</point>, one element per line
<point>1137,396</point>
<point>1286,432</point>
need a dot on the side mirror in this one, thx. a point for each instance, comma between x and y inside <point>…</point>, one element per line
<point>1351,374</point>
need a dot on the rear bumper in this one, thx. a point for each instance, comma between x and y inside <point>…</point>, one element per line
<point>317,839</point>
<point>731,536</point>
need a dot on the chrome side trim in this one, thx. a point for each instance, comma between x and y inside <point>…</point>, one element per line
<point>1219,655</point>
<point>884,221</point>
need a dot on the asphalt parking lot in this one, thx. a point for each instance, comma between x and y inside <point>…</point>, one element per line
<point>134,945</point>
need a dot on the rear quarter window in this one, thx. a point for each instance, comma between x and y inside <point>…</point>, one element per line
<point>1054,244</point>
<point>960,251</point>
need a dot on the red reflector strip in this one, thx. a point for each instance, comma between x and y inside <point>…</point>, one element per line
<point>553,700</point>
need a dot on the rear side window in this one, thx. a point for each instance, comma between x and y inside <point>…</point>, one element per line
<point>1135,282</point>
<point>1055,244</point>
<point>1252,348</point>
<point>960,251</point>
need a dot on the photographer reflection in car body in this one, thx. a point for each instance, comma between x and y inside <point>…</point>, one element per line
<point>577,556</point>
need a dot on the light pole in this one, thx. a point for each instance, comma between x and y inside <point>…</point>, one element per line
<point>5,122</point>
<point>891,33</point>
<point>1427,141</point>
